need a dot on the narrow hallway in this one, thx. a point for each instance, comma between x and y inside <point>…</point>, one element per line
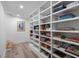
<point>39,29</point>
<point>15,27</point>
<point>21,50</point>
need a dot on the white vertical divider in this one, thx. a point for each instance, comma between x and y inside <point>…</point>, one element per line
<point>33,29</point>
<point>31,22</point>
<point>30,29</point>
<point>39,32</point>
<point>51,25</point>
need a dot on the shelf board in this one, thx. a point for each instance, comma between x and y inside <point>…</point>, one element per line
<point>45,36</point>
<point>36,34</point>
<point>34,16</point>
<point>45,30</point>
<point>57,3</point>
<point>31,37</point>
<point>70,31</point>
<point>45,23</point>
<point>36,30</point>
<point>63,50</point>
<point>33,47</point>
<point>45,10</point>
<point>31,33</point>
<point>34,21</point>
<point>56,55</point>
<point>42,54</point>
<point>37,52</point>
<point>46,49</point>
<point>36,24</point>
<point>46,43</point>
<point>35,43</point>
<point>62,40</point>
<point>66,9</point>
<point>31,29</point>
<point>45,16</point>
<point>36,39</point>
<point>65,20</point>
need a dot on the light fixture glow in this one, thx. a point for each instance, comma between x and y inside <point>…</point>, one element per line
<point>18,15</point>
<point>21,6</point>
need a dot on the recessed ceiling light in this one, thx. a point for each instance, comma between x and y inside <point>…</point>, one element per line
<point>21,6</point>
<point>18,15</point>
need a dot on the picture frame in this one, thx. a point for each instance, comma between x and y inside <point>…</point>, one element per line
<point>20,26</point>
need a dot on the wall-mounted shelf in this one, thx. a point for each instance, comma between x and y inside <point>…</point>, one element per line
<point>56,21</point>
<point>56,56</point>
<point>45,16</point>
<point>65,31</point>
<point>65,20</point>
<point>66,9</point>
<point>44,36</point>
<point>45,43</point>
<point>45,10</point>
<point>49,51</point>
<point>63,50</point>
<point>59,39</point>
<point>35,43</point>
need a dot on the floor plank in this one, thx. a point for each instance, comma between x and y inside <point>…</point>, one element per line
<point>21,50</point>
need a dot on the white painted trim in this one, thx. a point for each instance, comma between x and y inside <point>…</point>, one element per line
<point>3,55</point>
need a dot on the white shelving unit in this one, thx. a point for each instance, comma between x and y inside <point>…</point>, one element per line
<point>47,27</point>
<point>62,40</point>
<point>46,43</point>
<point>63,50</point>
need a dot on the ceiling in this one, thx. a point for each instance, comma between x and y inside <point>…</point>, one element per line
<point>12,7</point>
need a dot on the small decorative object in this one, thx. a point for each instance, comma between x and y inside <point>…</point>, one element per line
<point>47,26</point>
<point>43,27</point>
<point>20,26</point>
<point>9,44</point>
<point>66,16</point>
<point>36,27</point>
<point>48,42</point>
<point>65,45</point>
<point>42,39</point>
<point>60,7</point>
<point>48,34</point>
<point>73,49</point>
<point>63,36</point>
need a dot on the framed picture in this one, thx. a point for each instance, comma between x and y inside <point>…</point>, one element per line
<point>20,26</point>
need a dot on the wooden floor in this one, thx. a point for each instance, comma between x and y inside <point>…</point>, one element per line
<point>21,50</point>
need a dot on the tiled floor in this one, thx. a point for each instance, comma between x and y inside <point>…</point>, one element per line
<point>21,50</point>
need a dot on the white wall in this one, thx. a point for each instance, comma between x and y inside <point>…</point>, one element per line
<point>2,31</point>
<point>11,30</point>
<point>8,30</point>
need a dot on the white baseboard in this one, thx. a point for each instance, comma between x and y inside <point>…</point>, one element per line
<point>3,55</point>
<point>21,42</point>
